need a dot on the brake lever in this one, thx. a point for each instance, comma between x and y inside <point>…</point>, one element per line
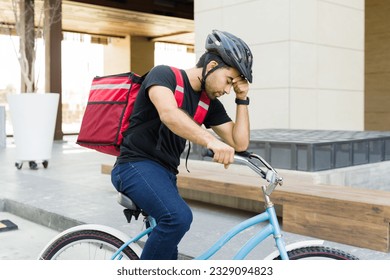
<point>274,180</point>
<point>271,175</point>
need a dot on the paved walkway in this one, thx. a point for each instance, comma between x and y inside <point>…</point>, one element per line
<point>72,191</point>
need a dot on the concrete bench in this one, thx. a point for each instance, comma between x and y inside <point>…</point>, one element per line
<point>358,217</point>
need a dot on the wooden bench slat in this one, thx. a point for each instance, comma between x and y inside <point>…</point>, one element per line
<point>330,227</point>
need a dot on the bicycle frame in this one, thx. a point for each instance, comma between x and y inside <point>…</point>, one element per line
<point>269,216</point>
<point>117,255</point>
<point>272,228</point>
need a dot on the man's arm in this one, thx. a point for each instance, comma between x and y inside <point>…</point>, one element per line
<point>237,134</point>
<point>182,125</point>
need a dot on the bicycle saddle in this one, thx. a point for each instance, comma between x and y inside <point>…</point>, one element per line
<point>131,209</point>
<point>126,202</point>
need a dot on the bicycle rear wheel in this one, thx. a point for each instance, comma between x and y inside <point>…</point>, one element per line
<point>86,245</point>
<point>318,253</point>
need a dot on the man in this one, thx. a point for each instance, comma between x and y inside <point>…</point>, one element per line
<point>150,154</point>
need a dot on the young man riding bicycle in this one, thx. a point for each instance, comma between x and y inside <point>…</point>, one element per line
<point>148,164</point>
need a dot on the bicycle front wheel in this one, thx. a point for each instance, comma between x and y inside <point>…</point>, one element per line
<point>318,253</point>
<point>86,245</point>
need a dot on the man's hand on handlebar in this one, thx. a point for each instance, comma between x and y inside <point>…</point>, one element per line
<point>265,170</point>
<point>223,153</point>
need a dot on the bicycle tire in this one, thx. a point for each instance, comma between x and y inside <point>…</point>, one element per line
<point>318,252</point>
<point>83,243</point>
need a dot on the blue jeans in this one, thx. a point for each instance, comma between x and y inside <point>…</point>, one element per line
<point>153,188</point>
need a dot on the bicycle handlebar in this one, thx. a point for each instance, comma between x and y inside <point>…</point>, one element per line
<point>247,158</point>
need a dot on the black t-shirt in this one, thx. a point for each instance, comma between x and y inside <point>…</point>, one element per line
<point>147,137</point>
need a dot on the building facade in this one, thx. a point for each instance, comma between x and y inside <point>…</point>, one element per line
<point>308,59</point>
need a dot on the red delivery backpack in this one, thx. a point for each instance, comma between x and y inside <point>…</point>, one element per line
<point>110,103</point>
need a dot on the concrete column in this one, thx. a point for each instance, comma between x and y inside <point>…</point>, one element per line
<point>117,56</point>
<point>308,59</point>
<point>142,55</point>
<point>53,74</point>
<point>134,54</point>
<point>377,66</point>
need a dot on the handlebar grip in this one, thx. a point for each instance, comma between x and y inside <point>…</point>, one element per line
<point>207,153</point>
<point>244,154</point>
<point>210,153</point>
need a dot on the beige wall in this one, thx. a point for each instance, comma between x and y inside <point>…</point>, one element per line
<point>377,62</point>
<point>308,59</point>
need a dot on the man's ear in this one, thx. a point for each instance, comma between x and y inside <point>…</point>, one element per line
<point>211,65</point>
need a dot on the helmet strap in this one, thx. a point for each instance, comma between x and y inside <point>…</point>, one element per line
<point>204,75</point>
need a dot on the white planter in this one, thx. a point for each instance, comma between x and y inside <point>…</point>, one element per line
<point>33,119</point>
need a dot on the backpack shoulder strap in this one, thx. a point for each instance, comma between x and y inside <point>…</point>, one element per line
<point>179,90</point>
<point>203,107</point>
<point>204,102</point>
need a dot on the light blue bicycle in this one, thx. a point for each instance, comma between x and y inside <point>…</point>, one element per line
<point>102,242</point>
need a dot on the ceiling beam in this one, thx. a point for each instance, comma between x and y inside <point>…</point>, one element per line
<point>174,8</point>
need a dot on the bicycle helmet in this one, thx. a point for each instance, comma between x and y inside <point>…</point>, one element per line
<point>233,51</point>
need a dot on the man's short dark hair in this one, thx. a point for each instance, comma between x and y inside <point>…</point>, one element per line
<point>207,57</point>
